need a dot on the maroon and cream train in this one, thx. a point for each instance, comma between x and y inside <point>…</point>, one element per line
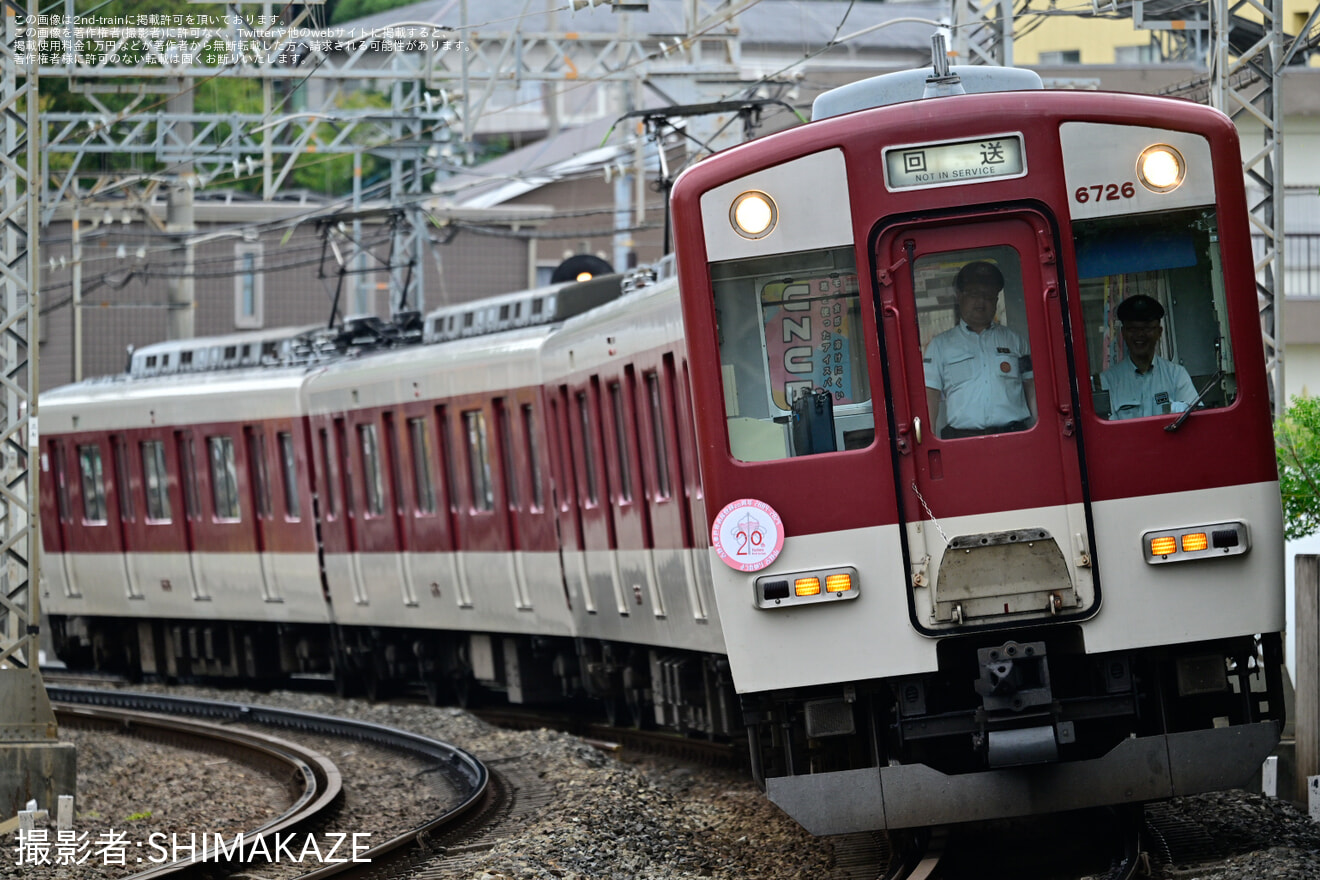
<point>720,498</point>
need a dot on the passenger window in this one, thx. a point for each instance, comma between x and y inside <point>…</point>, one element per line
<point>224,478</point>
<point>793,355</point>
<point>155,481</point>
<point>976,357</point>
<point>93,484</point>
<point>1152,293</point>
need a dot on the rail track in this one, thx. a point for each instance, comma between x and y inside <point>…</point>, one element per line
<point>311,780</point>
<point>319,780</point>
<point>506,793</point>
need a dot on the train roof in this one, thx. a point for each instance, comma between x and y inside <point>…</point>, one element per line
<point>469,348</point>
<point>914,85</point>
<point>551,304</point>
<point>644,318</point>
<point>466,366</point>
<point>125,402</point>
<point>250,348</point>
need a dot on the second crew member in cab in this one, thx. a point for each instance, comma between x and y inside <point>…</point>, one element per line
<point>1145,384</point>
<point>980,368</point>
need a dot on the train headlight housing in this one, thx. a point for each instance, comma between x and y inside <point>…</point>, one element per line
<point>805,587</point>
<point>1196,542</point>
<point>753,215</point>
<point>1161,168</point>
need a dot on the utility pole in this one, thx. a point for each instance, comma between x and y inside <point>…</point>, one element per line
<point>34,765</point>
<point>179,217</point>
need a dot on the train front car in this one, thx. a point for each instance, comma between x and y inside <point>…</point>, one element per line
<point>1021,558</point>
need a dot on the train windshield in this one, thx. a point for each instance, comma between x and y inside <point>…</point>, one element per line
<point>1152,292</point>
<point>793,355</point>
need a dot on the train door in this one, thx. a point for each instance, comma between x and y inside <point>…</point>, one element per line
<point>703,588</point>
<point>259,488</point>
<point>513,503</point>
<point>351,534</point>
<point>985,431</point>
<point>448,451</point>
<point>634,561</point>
<point>56,528</point>
<point>598,538</point>
<point>122,489</point>
<point>421,493</point>
<point>571,547</point>
<point>398,534</point>
<point>185,448</point>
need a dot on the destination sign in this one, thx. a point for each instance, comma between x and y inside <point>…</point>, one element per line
<point>954,164</point>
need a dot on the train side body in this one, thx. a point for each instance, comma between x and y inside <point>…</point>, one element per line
<point>124,530</point>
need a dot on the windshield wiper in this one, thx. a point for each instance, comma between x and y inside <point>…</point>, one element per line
<point>1182,417</point>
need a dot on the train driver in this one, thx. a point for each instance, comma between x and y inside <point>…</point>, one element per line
<point>1145,384</point>
<point>979,367</point>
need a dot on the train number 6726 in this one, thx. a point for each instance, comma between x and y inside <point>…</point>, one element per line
<point>1109,192</point>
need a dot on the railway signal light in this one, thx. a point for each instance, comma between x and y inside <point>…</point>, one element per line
<point>580,267</point>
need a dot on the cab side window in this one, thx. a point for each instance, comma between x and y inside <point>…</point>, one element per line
<point>793,355</point>
<point>1157,331</point>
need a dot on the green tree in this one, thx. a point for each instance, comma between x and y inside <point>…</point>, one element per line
<point>1297,437</point>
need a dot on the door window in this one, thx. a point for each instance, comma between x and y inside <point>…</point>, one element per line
<point>93,484</point>
<point>976,359</point>
<point>224,478</point>
<point>155,481</point>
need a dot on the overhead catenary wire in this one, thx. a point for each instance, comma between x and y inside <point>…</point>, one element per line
<point>335,206</point>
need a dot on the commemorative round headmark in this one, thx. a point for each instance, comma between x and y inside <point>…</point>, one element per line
<point>748,534</point>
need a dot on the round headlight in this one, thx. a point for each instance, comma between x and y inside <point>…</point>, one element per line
<point>1161,168</point>
<point>753,215</point>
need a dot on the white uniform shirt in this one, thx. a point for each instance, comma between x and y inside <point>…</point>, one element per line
<point>1164,388</point>
<point>980,376</point>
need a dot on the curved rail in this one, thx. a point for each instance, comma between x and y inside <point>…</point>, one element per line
<point>312,779</point>
<point>468,775</point>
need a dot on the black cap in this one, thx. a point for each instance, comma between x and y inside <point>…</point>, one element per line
<point>979,271</point>
<point>1140,308</point>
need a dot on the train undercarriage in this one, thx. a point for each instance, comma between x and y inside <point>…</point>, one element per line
<point>1033,720</point>
<point>683,691</point>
